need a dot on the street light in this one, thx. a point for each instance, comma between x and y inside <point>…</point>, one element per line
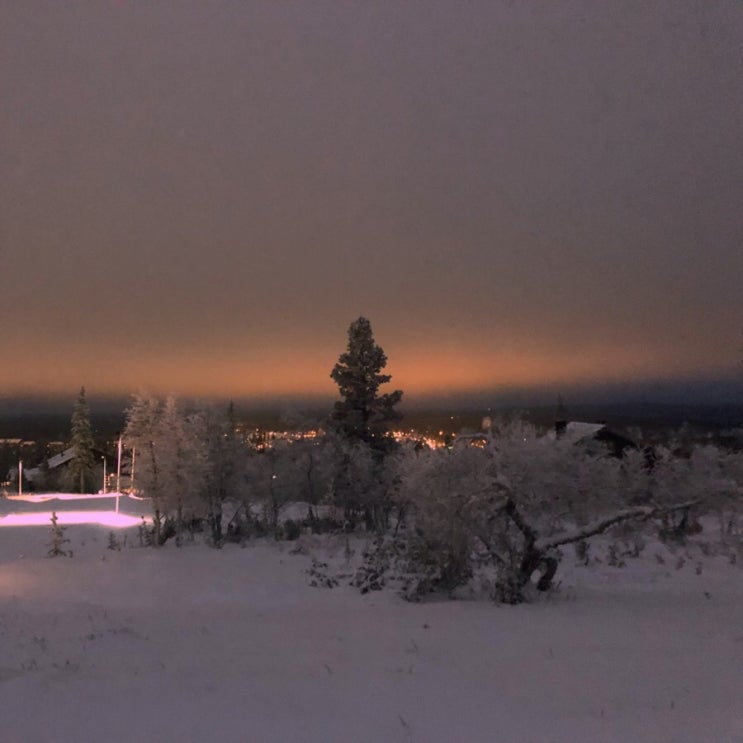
<point>104,474</point>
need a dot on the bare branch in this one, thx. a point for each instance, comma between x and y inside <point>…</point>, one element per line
<point>602,524</point>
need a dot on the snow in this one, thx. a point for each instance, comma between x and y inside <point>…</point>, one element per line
<point>200,644</point>
<point>114,510</point>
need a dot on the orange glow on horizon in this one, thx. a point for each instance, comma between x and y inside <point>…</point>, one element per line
<point>418,372</point>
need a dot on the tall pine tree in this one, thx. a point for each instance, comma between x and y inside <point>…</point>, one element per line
<point>363,414</point>
<point>82,463</point>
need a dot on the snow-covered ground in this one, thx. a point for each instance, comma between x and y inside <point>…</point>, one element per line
<point>199,644</point>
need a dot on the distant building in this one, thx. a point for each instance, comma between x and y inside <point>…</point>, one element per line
<point>34,474</point>
<point>593,435</point>
<point>56,464</point>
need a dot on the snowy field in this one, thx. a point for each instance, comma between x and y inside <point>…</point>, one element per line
<point>198,644</point>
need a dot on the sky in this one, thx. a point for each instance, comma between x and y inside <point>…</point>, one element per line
<point>199,198</point>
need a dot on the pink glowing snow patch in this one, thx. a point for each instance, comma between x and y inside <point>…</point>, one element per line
<point>104,518</point>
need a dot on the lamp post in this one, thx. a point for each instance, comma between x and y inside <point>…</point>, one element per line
<point>20,477</point>
<point>104,475</point>
<point>118,476</point>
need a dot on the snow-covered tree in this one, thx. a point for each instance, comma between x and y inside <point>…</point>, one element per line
<point>314,463</point>
<point>224,476</point>
<point>701,473</point>
<point>273,481</point>
<point>182,451</point>
<point>171,456</point>
<point>506,509</point>
<point>141,436</point>
<point>83,462</point>
<point>362,483</point>
<point>363,414</point>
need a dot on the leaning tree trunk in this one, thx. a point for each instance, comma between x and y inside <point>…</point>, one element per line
<point>533,558</point>
<point>535,551</point>
<point>216,522</point>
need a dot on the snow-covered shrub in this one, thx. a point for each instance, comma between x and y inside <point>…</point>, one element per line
<point>320,576</point>
<point>504,510</point>
<point>446,494</point>
<point>377,560</point>
<point>411,564</point>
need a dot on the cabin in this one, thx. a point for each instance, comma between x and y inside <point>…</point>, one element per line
<point>54,466</point>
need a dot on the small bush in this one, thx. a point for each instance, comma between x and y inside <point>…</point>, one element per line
<point>58,539</point>
<point>292,530</point>
<point>113,543</point>
<point>325,525</point>
<point>319,576</point>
